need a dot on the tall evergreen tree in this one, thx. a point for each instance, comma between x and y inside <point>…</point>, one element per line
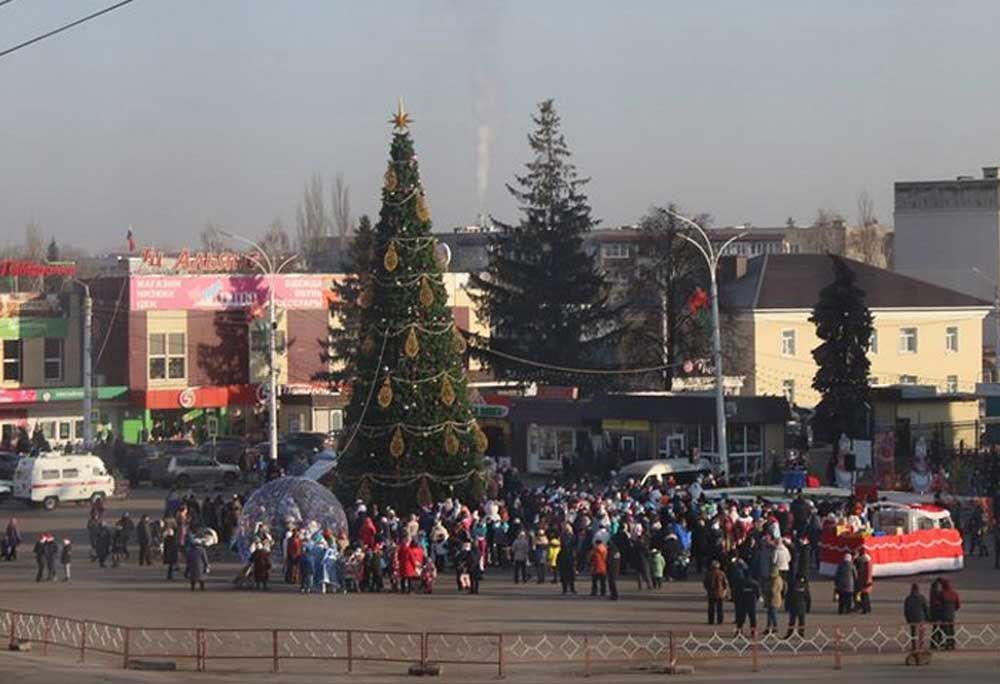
<point>345,313</point>
<point>844,324</point>
<point>542,293</point>
<point>411,435</point>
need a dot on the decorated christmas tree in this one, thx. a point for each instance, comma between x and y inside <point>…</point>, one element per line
<point>410,435</point>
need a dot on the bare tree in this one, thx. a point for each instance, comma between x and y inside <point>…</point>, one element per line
<point>275,241</point>
<point>341,208</point>
<point>212,239</point>
<point>312,220</point>
<point>866,241</point>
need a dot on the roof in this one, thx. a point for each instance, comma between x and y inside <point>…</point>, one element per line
<point>794,281</point>
<point>685,408</point>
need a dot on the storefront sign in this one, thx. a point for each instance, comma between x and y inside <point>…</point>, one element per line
<point>186,398</point>
<point>31,269</point>
<point>31,314</point>
<point>198,262</point>
<point>22,328</point>
<point>228,292</point>
<point>29,396</point>
<point>626,425</point>
<point>489,411</point>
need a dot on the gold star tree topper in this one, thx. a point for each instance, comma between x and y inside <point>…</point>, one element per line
<point>401,119</point>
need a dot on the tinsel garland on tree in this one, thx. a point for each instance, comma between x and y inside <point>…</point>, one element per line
<point>409,413</point>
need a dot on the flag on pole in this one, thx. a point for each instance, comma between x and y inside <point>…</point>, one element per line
<point>131,240</point>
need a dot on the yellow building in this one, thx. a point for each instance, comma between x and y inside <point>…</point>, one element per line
<point>924,334</point>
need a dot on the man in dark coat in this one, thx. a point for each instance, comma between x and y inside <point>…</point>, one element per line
<point>170,554</point>
<point>103,543</point>
<point>144,535</point>
<point>51,551</point>
<point>797,602</point>
<point>915,612</point>
<point>566,564</point>
<point>39,551</point>
<point>844,582</point>
<point>197,565</point>
<point>614,569</point>
<point>746,591</point>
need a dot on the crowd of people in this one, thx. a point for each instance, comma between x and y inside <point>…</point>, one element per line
<point>749,553</point>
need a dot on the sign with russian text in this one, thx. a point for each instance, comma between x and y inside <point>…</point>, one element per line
<point>228,292</point>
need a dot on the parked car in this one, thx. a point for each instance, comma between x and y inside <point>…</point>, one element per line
<point>225,449</point>
<point>8,464</point>
<point>191,467</point>
<point>314,441</point>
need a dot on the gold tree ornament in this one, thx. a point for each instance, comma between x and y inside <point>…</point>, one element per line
<point>412,346</point>
<point>391,258</point>
<point>423,211</point>
<point>424,496</point>
<point>390,181</point>
<point>451,443</point>
<point>447,392</point>
<point>397,445</point>
<point>385,393</point>
<point>458,344</point>
<point>367,295</point>
<point>426,293</point>
<point>482,441</point>
<point>364,490</point>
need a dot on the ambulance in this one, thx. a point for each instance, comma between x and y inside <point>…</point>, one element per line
<point>52,478</point>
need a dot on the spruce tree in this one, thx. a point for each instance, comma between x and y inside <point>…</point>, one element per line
<point>542,293</point>
<point>345,314</point>
<point>411,436</point>
<point>844,324</point>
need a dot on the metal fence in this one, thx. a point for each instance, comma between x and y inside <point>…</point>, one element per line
<point>273,649</point>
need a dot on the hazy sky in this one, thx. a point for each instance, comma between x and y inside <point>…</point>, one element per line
<point>166,114</point>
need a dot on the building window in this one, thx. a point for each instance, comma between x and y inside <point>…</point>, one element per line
<point>907,379</point>
<point>746,450</point>
<point>951,386</point>
<point>64,429</point>
<point>788,343</point>
<point>873,342</point>
<point>167,356</point>
<point>907,340</point>
<point>788,389</point>
<point>53,358</point>
<point>951,339</point>
<point>12,353</point>
<point>615,250</point>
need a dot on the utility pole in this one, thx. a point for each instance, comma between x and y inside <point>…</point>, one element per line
<point>88,370</point>
<point>272,395</point>
<point>712,255</point>
<point>267,268</point>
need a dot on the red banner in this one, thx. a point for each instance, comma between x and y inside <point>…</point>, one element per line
<point>896,554</point>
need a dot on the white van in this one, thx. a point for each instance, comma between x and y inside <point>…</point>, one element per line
<point>681,469</point>
<point>51,477</point>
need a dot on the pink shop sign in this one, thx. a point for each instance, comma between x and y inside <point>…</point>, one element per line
<point>227,292</point>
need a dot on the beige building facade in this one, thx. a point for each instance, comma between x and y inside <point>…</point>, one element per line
<point>923,334</point>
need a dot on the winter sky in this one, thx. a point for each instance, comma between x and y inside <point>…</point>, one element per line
<point>166,114</point>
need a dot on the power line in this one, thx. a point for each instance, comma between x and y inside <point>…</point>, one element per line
<point>65,27</point>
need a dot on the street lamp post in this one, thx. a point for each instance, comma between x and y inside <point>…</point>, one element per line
<point>712,256</point>
<point>266,266</point>
<point>88,369</point>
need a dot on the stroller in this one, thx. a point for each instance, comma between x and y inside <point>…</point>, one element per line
<point>678,569</point>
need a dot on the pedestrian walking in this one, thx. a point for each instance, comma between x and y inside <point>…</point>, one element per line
<point>915,611</point>
<point>746,592</point>
<point>39,551</point>
<point>521,549</point>
<point>11,540</point>
<point>797,601</point>
<point>774,592</point>
<point>716,590</point>
<point>197,565</point>
<point>66,558</point>
<point>598,568</point>
<point>144,536</point>
<point>51,551</point>
<point>566,565</point>
<point>866,580</point>
<point>170,554</point>
<point>844,582</point>
<point>614,569</point>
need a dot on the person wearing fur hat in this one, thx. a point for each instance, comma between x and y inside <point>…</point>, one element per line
<point>844,582</point>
